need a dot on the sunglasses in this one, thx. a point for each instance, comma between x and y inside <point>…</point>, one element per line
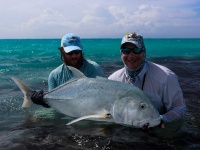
<point>127,51</point>
<point>74,52</point>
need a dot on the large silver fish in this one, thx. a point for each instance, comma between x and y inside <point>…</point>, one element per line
<point>99,99</point>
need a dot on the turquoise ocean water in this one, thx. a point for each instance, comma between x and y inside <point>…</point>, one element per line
<point>32,60</point>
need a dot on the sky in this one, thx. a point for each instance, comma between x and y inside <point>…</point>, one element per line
<point>99,18</point>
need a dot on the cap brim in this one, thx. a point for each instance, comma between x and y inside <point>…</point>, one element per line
<point>133,42</point>
<point>71,48</point>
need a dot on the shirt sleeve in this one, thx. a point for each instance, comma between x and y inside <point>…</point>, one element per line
<point>51,82</point>
<point>173,100</point>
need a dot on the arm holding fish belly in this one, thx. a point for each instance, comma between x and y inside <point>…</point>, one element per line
<point>173,100</point>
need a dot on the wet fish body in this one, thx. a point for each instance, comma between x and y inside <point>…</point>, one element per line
<point>99,99</point>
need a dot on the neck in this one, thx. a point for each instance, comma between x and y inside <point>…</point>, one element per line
<point>132,73</point>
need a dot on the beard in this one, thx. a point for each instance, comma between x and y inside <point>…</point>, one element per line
<point>77,64</point>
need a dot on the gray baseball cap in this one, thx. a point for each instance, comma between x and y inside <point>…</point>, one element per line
<point>135,39</point>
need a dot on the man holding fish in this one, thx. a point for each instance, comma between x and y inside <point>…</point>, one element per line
<point>158,82</point>
<point>72,55</point>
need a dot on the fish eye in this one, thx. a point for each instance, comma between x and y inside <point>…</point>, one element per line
<point>142,105</point>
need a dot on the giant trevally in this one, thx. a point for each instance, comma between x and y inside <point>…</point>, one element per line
<point>99,99</point>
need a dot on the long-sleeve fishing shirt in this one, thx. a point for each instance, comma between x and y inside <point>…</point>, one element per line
<point>162,87</point>
<point>62,73</point>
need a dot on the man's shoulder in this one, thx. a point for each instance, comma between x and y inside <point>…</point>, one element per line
<point>91,69</point>
<point>117,74</point>
<point>158,68</point>
<point>120,71</point>
<point>160,72</point>
<point>90,62</point>
<point>58,69</point>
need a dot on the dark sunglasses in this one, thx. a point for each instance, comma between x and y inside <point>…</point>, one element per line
<point>74,52</point>
<point>127,51</point>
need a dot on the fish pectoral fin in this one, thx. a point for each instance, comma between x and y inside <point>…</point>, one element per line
<point>101,116</point>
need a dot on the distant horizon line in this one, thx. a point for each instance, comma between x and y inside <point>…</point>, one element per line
<point>92,38</point>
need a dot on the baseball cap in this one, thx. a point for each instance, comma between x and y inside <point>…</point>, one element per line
<point>135,39</point>
<point>71,42</point>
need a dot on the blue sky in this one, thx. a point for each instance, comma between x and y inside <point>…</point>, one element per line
<point>99,18</point>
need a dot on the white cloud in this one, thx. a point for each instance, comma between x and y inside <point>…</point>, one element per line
<point>94,18</point>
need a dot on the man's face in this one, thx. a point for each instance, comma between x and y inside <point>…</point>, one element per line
<point>73,58</point>
<point>132,60</point>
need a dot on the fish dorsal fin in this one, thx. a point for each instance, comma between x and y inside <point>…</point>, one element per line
<point>76,73</point>
<point>100,116</point>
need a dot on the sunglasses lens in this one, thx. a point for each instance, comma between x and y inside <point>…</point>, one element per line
<point>137,50</point>
<point>125,51</point>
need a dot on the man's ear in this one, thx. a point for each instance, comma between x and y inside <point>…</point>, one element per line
<point>61,49</point>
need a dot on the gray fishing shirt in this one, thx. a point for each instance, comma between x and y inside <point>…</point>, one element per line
<point>162,87</point>
<point>62,73</point>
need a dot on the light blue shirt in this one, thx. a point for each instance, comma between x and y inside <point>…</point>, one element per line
<point>62,74</point>
<point>161,86</point>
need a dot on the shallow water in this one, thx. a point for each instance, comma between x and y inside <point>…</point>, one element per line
<point>40,128</point>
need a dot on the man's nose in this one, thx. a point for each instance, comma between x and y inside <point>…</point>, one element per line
<point>131,54</point>
<point>74,55</point>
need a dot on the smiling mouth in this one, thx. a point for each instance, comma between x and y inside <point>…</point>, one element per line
<point>132,61</point>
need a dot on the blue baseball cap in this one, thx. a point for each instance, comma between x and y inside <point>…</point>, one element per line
<point>71,42</point>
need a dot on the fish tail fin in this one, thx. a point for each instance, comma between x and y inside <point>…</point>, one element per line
<point>25,90</point>
<point>102,116</point>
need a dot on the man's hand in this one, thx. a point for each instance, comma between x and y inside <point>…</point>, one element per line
<point>37,98</point>
<point>162,125</point>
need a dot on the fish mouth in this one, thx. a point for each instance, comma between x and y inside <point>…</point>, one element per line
<point>145,124</point>
<point>140,124</point>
